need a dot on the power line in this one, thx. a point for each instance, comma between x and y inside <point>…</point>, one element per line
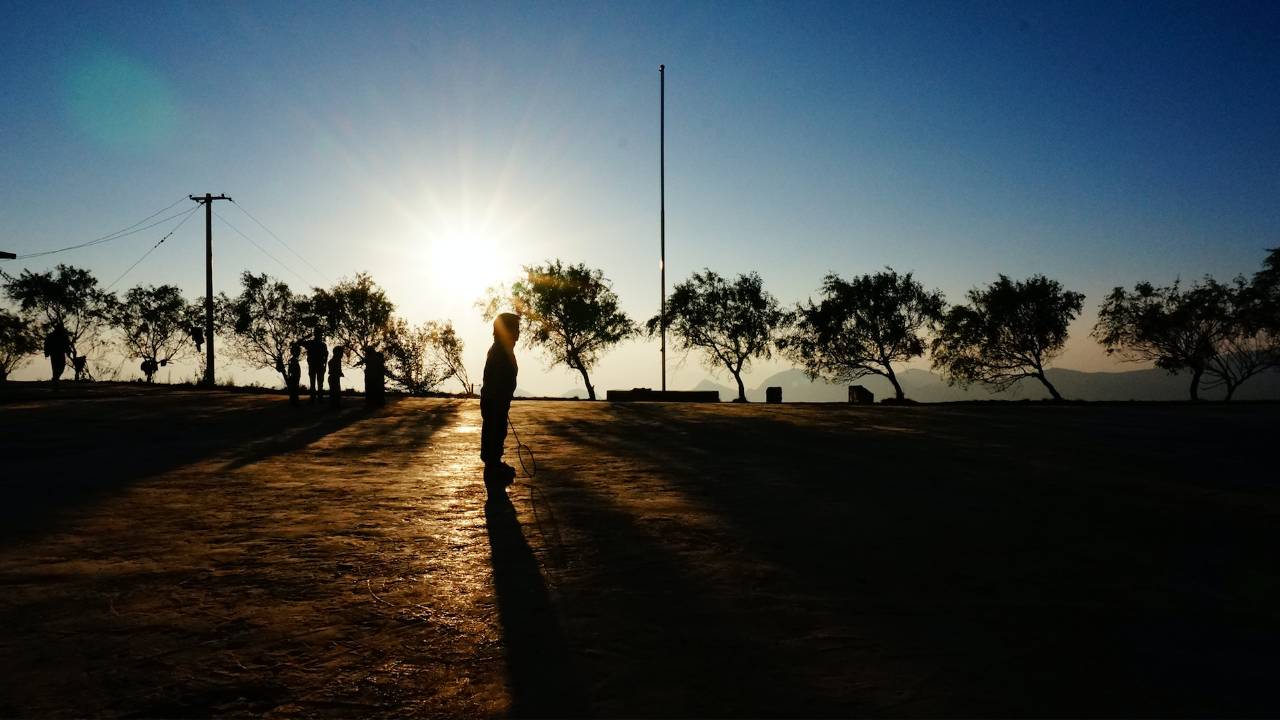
<point>280,240</point>
<point>167,235</point>
<point>255,244</point>
<point>123,232</point>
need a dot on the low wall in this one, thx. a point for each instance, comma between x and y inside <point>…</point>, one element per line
<point>648,395</point>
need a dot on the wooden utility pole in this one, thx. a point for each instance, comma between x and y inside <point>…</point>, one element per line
<point>207,200</point>
<point>662,211</point>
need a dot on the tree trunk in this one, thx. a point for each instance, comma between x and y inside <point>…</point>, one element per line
<point>897,389</point>
<point>591,391</point>
<point>742,391</point>
<point>1195,383</point>
<point>1231,389</point>
<point>1052,390</point>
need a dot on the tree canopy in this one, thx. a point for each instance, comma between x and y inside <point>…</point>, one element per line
<point>409,363</point>
<point>445,348</point>
<point>1248,346</point>
<point>1008,331</point>
<point>730,323</point>
<point>421,358</point>
<point>263,321</point>
<point>571,312</point>
<point>18,340</point>
<point>66,296</point>
<point>357,313</point>
<point>1173,328</point>
<point>155,322</point>
<point>862,327</point>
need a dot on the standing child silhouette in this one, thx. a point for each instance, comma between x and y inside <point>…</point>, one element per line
<point>294,372</point>
<point>335,377</point>
<point>499,386</point>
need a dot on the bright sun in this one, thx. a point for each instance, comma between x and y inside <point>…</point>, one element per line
<point>465,264</point>
<point>458,249</point>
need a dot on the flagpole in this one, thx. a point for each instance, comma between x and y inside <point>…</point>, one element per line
<point>662,211</point>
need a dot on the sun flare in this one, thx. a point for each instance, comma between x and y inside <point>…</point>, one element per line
<point>465,263</point>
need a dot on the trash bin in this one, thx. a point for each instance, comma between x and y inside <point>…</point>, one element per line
<point>773,395</point>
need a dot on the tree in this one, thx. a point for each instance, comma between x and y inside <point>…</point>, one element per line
<point>1268,278</point>
<point>68,296</point>
<point>1249,345</point>
<point>263,321</point>
<point>1265,289</point>
<point>731,323</point>
<point>1173,328</point>
<point>446,347</point>
<point>18,340</point>
<point>156,323</point>
<point>862,327</point>
<point>357,314</point>
<point>409,364</point>
<point>570,311</point>
<point>1008,331</point>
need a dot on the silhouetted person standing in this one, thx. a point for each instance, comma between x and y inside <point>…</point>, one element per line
<point>317,354</point>
<point>374,377</point>
<point>335,377</point>
<point>293,373</point>
<point>57,345</point>
<point>499,386</point>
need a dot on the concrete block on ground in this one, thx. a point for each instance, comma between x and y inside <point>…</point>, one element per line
<point>861,396</point>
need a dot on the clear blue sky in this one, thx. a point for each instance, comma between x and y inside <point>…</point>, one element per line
<point>1098,143</point>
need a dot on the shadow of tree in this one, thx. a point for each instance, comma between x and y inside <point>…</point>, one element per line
<point>983,552</point>
<point>654,636</point>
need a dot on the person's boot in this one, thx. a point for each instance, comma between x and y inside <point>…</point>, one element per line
<point>494,481</point>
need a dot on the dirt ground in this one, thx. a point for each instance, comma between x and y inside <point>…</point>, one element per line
<point>183,553</point>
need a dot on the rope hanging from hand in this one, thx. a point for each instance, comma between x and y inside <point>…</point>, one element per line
<point>527,462</point>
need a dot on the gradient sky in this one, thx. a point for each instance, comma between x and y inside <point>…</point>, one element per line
<point>440,147</point>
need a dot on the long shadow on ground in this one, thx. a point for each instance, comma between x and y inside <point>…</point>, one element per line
<point>1011,563</point>
<point>258,596</point>
<point>544,681</point>
<point>660,636</point>
<point>61,454</point>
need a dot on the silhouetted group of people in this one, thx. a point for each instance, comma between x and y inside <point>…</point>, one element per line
<point>319,360</point>
<point>500,370</point>
<point>321,363</point>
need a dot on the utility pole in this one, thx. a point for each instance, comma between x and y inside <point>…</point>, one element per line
<point>662,210</point>
<point>207,200</point>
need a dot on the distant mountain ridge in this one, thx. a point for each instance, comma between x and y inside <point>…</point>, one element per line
<point>925,386</point>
